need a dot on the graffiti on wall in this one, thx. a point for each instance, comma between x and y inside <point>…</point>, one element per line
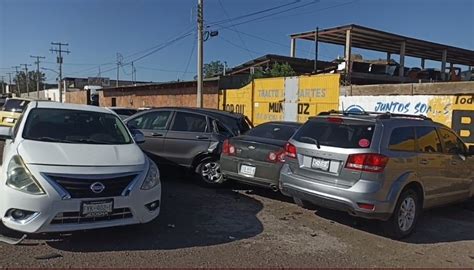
<point>454,111</point>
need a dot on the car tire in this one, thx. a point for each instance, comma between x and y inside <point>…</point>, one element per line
<point>304,204</point>
<point>403,221</point>
<point>209,172</point>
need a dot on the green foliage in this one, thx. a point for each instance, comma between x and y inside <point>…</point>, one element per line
<point>213,68</point>
<point>277,70</point>
<point>20,80</point>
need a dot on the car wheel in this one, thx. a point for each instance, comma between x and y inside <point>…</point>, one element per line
<point>403,220</point>
<point>210,173</point>
<point>304,204</point>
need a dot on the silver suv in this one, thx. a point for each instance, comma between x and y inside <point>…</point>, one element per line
<point>377,166</point>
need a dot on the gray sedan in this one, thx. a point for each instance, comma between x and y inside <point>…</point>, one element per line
<point>257,157</point>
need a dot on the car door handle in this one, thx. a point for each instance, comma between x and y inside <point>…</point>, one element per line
<point>424,162</point>
<point>156,134</point>
<point>202,137</point>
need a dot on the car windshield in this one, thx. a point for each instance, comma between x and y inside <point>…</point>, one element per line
<point>336,134</point>
<point>126,112</point>
<point>75,126</point>
<point>15,105</point>
<point>273,131</point>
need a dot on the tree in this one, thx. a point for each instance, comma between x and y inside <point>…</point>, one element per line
<point>20,80</point>
<point>277,70</point>
<point>213,69</point>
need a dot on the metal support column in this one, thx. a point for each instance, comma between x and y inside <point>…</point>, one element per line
<point>293,48</point>
<point>347,56</point>
<point>401,71</point>
<point>422,63</point>
<point>443,64</point>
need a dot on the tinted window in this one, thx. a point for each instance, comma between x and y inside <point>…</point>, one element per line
<point>189,122</point>
<point>125,111</point>
<point>336,134</point>
<point>15,105</point>
<point>17,125</point>
<point>151,120</point>
<point>75,126</point>
<point>428,140</point>
<point>452,144</point>
<point>273,131</point>
<point>221,129</point>
<point>402,139</point>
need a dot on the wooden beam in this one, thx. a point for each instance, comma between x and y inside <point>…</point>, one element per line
<point>347,55</point>
<point>422,63</point>
<point>293,47</point>
<point>443,64</point>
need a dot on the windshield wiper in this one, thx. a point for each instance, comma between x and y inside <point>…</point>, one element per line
<point>50,139</point>
<point>91,141</point>
<point>312,140</point>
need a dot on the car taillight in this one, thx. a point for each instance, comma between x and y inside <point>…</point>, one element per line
<point>227,148</point>
<point>290,150</point>
<point>367,162</point>
<point>276,156</point>
<point>335,120</point>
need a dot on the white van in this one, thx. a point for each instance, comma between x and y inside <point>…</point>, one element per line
<point>73,167</point>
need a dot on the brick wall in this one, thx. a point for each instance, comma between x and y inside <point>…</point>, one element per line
<point>77,97</point>
<point>178,94</point>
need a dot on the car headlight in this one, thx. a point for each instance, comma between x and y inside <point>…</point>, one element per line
<point>18,177</point>
<point>152,178</point>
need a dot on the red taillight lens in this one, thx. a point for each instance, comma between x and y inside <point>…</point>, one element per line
<point>290,150</point>
<point>366,206</point>
<point>367,162</point>
<point>227,148</point>
<point>277,156</point>
<point>335,120</point>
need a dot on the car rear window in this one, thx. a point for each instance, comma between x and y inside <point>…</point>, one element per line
<point>15,105</point>
<point>336,134</point>
<point>273,131</point>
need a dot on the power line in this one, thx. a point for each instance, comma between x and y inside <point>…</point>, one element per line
<point>275,13</point>
<point>238,46</point>
<point>26,78</point>
<point>189,58</point>
<point>254,13</point>
<point>37,62</point>
<point>238,34</point>
<point>165,70</point>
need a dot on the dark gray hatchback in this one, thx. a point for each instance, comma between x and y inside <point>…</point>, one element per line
<point>257,156</point>
<point>188,137</point>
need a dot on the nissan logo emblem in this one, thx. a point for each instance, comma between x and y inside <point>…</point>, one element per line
<point>97,187</point>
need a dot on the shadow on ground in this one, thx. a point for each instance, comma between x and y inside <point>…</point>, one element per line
<point>190,216</point>
<point>446,224</point>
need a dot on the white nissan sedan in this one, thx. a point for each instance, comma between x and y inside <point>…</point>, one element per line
<point>73,167</point>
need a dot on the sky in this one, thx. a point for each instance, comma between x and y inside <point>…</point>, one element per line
<point>160,35</point>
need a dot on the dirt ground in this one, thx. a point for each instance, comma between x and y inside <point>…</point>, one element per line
<point>236,226</point>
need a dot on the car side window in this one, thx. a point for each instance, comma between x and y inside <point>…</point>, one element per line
<point>402,139</point>
<point>221,129</point>
<point>428,140</point>
<point>151,120</point>
<point>452,144</point>
<point>189,122</point>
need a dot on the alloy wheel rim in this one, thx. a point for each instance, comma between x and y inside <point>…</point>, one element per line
<point>211,172</point>
<point>406,215</point>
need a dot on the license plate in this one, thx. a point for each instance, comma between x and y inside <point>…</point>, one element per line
<point>247,170</point>
<point>97,208</point>
<point>320,164</point>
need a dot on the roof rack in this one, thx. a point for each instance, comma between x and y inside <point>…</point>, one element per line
<point>378,115</point>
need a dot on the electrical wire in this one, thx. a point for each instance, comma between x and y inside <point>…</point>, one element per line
<point>189,58</point>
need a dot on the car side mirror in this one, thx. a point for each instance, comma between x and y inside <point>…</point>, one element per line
<point>138,136</point>
<point>6,133</point>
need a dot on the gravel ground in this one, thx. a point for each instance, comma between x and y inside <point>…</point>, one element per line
<point>235,226</point>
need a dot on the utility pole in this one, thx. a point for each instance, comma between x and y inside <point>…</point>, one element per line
<point>17,79</point>
<point>37,62</point>
<point>9,81</point>
<point>58,50</point>
<point>316,49</point>
<point>3,84</point>
<point>119,63</point>
<point>133,73</point>
<point>26,79</point>
<point>200,22</point>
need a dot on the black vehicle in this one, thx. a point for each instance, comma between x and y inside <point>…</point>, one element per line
<point>124,113</point>
<point>188,137</point>
<point>257,157</point>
